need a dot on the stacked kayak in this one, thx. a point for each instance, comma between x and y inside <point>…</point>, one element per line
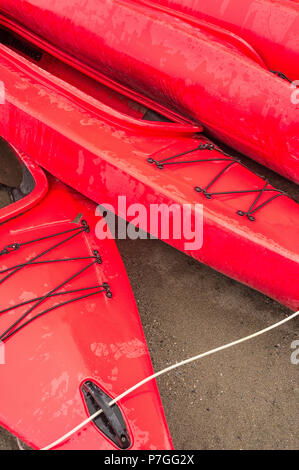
<point>72,334</point>
<point>270,26</point>
<point>195,72</point>
<point>124,128</point>
<point>105,145</point>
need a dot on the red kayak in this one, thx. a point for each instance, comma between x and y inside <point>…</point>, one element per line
<point>270,26</point>
<point>197,73</point>
<point>105,146</point>
<point>71,330</point>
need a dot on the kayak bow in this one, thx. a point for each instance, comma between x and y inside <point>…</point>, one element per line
<point>192,73</point>
<point>96,141</point>
<point>270,27</point>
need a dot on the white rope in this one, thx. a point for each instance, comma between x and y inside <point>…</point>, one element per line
<point>165,371</point>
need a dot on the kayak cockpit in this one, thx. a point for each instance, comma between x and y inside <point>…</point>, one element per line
<point>16,181</point>
<point>22,183</point>
<point>106,95</point>
<point>88,87</point>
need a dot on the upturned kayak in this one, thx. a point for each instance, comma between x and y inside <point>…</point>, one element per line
<point>270,27</point>
<point>106,146</point>
<point>196,73</point>
<point>71,331</point>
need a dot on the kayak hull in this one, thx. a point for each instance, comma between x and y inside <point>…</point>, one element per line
<point>87,335</point>
<point>270,27</point>
<point>104,154</point>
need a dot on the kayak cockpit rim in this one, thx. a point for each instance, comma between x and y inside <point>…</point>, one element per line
<point>32,188</point>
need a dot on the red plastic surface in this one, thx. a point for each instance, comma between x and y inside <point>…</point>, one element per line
<point>218,31</point>
<point>271,27</point>
<point>188,70</point>
<point>103,154</point>
<point>96,338</point>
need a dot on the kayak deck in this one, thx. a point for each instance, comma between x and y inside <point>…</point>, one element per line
<point>94,145</point>
<point>70,326</point>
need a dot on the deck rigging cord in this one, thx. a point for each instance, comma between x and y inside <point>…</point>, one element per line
<point>10,332</point>
<point>66,292</point>
<point>30,263</point>
<point>17,325</point>
<point>14,328</point>
<point>206,191</point>
<point>16,246</point>
<point>164,371</point>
